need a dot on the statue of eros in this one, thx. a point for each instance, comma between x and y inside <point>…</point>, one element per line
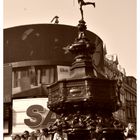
<point>82,3</point>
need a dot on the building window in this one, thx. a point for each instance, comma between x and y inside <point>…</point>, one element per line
<point>48,75</point>
<point>128,113</point>
<point>122,98</point>
<point>16,79</point>
<point>33,76</point>
<point>134,84</point>
<point>30,77</point>
<point>128,96</point>
<point>135,112</point>
<point>124,116</point>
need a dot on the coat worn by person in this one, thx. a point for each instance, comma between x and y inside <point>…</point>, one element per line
<point>60,136</point>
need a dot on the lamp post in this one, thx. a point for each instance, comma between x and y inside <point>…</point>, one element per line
<point>84,100</point>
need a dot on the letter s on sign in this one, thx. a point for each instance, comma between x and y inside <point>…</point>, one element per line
<point>34,112</point>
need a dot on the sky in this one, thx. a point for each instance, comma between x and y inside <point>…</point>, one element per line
<point>114,21</point>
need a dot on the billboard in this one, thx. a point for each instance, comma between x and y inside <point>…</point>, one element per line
<point>30,114</point>
<point>63,72</point>
<point>45,42</point>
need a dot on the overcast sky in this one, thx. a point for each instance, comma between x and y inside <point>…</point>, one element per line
<point>114,21</point>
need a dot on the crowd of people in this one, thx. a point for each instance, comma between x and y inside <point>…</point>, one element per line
<point>129,133</point>
<point>34,135</point>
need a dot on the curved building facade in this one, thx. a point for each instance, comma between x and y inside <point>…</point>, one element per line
<point>34,56</point>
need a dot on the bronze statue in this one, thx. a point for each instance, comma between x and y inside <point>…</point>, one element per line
<point>82,3</point>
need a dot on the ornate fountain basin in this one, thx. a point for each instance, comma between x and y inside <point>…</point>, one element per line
<point>86,93</point>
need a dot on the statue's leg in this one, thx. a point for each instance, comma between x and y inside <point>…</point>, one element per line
<point>81,13</point>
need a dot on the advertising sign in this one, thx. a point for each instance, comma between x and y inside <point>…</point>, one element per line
<point>63,72</point>
<point>7,118</point>
<point>30,114</point>
<point>45,42</point>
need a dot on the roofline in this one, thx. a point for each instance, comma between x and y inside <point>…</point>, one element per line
<point>36,63</point>
<point>131,77</point>
<point>18,26</point>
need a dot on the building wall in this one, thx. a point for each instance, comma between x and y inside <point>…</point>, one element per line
<point>35,51</point>
<point>46,42</point>
<point>131,98</point>
<point>27,90</point>
<point>29,77</point>
<point>127,113</point>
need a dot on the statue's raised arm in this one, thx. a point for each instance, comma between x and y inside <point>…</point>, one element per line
<point>82,3</point>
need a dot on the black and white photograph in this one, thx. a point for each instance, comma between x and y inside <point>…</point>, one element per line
<point>70,70</point>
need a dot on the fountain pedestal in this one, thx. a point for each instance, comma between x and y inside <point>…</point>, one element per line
<point>84,100</point>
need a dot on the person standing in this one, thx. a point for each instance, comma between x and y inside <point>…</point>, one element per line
<point>38,134</point>
<point>59,135</point>
<point>26,135</point>
<point>13,136</point>
<point>17,137</point>
<point>130,132</point>
<point>97,133</point>
<point>44,135</point>
<point>32,136</point>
